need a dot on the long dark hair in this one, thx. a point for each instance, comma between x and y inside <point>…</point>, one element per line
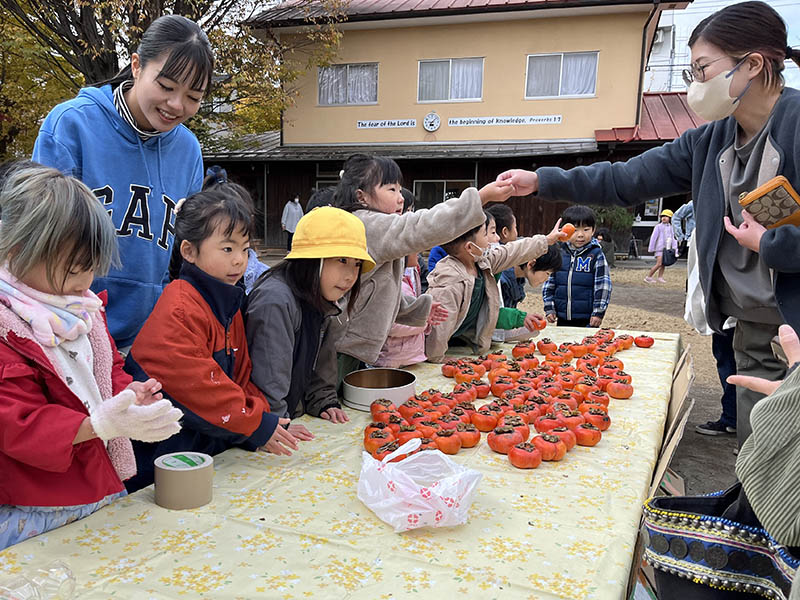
<point>226,204</point>
<point>302,277</point>
<point>364,172</point>
<point>749,27</point>
<point>190,58</point>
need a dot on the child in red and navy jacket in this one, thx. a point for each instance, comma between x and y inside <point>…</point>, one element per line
<point>67,409</point>
<point>194,341</point>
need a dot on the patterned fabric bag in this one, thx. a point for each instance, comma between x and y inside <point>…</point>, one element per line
<point>701,549</point>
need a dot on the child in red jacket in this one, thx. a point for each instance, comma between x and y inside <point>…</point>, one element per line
<point>67,408</point>
<point>194,341</point>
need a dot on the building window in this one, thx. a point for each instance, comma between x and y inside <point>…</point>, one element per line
<point>563,74</point>
<point>430,192</point>
<point>447,80</point>
<point>348,84</point>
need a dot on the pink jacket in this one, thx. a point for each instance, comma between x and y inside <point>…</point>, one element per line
<point>406,344</point>
<point>662,237</point>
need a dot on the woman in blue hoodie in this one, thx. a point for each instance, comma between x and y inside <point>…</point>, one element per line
<point>124,139</point>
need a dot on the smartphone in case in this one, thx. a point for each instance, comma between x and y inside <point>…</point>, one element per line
<point>777,350</point>
<point>773,204</point>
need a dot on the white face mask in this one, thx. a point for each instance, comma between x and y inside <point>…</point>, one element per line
<point>711,99</point>
<point>483,254</point>
<point>296,200</point>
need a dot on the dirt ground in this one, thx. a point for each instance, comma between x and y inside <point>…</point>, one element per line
<point>705,462</point>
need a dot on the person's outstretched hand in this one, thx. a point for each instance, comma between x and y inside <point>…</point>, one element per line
<point>749,233</point>
<point>497,191</point>
<point>524,182</point>
<point>555,234</point>
<point>791,346</point>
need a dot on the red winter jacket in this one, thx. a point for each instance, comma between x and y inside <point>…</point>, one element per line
<point>39,418</point>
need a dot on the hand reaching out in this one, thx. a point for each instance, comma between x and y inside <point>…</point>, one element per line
<point>595,321</point>
<point>497,191</point>
<point>524,182</point>
<point>555,234</point>
<point>791,346</point>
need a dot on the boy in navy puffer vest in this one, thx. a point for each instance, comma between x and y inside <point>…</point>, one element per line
<point>578,293</point>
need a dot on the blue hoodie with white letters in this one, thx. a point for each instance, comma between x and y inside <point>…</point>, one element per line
<point>139,183</point>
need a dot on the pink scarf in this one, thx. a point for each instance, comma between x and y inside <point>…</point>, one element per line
<point>52,318</point>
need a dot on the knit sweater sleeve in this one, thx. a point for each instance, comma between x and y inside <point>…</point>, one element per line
<point>662,171</point>
<point>767,463</point>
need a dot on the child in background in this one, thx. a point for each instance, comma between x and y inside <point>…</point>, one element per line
<point>370,188</point>
<point>607,244</point>
<point>194,342</point>
<point>67,409</point>
<point>290,309</point>
<point>662,238</point>
<point>577,294</point>
<point>464,283</point>
<point>406,344</point>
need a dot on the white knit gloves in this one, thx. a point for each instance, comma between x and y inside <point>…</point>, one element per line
<point>120,416</point>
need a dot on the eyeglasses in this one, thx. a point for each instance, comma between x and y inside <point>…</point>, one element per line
<point>697,72</point>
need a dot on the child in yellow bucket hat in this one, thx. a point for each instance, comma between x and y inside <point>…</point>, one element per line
<point>662,238</point>
<point>289,312</point>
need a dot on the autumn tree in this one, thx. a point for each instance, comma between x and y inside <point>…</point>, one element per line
<point>30,83</point>
<point>82,42</point>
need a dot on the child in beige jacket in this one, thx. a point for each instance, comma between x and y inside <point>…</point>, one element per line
<point>463,282</point>
<point>370,188</point>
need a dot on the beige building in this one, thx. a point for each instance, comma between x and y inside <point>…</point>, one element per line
<point>456,92</point>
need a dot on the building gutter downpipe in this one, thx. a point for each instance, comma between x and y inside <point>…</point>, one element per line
<point>653,11</point>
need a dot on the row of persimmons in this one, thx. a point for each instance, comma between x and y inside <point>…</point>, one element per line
<point>566,404</point>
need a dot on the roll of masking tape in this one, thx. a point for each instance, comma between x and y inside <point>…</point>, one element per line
<point>184,480</point>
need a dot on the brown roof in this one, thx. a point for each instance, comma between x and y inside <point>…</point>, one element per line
<point>296,12</point>
<point>665,116</point>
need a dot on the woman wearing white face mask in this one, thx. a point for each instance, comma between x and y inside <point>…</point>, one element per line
<point>746,272</point>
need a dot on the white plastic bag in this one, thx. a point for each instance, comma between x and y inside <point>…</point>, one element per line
<point>425,489</point>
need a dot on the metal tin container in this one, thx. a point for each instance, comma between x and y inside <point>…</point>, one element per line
<point>362,388</point>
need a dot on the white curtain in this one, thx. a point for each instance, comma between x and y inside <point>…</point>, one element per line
<point>543,75</point>
<point>579,75</point>
<point>362,84</point>
<point>466,78</point>
<point>434,80</point>
<point>333,85</point>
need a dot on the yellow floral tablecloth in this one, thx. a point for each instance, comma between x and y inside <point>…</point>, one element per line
<point>293,527</point>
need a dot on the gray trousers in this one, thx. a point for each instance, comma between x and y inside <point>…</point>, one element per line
<point>751,347</point>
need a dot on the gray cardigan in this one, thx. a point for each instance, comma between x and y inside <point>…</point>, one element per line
<point>700,162</point>
<point>273,319</point>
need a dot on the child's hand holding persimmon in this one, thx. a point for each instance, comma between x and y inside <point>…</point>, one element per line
<point>555,234</point>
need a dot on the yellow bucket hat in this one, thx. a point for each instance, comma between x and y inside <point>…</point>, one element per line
<point>666,213</point>
<point>328,232</point>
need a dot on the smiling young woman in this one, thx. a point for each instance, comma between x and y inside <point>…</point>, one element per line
<point>124,139</point>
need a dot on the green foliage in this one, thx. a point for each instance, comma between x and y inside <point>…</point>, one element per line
<point>50,48</point>
<point>615,218</point>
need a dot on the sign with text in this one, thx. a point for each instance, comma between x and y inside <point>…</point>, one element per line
<point>386,124</point>
<point>517,120</point>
